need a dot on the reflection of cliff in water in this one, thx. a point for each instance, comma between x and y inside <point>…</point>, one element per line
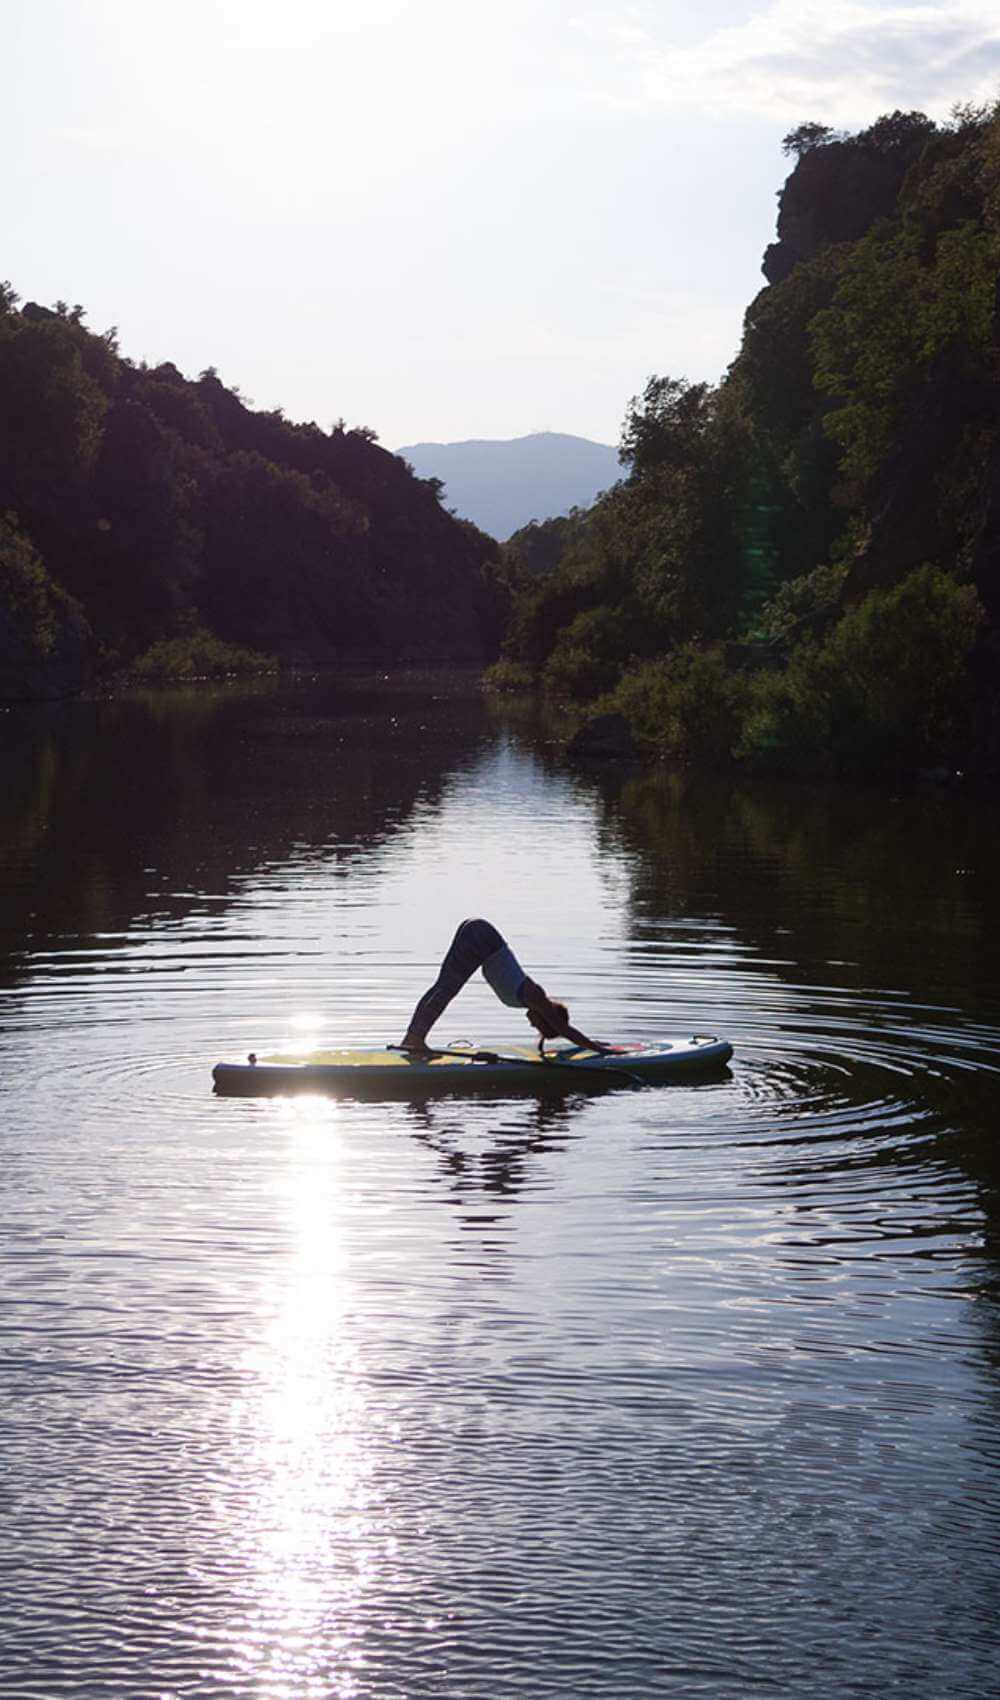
<point>900,880</point>
<point>125,808</point>
<point>850,888</point>
<point>899,886</point>
<point>856,890</point>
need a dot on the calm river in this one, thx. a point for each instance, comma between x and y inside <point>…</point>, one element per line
<point>690,1391</point>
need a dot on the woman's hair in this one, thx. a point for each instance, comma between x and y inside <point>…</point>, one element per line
<point>541,1023</point>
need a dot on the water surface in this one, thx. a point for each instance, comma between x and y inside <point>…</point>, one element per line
<point>688,1391</point>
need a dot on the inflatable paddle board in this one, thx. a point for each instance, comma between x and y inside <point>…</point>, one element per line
<point>410,1074</point>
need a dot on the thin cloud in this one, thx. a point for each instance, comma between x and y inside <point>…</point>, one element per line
<point>93,139</point>
<point>798,59</point>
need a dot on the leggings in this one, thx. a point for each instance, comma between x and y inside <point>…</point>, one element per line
<point>473,943</point>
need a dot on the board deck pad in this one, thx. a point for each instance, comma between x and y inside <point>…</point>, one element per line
<point>374,1073</point>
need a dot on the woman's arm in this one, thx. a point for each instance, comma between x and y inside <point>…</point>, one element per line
<point>555,1021</point>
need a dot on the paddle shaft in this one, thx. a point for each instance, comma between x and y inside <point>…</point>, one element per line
<point>546,1061</point>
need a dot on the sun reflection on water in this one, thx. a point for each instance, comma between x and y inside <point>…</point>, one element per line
<point>311,1538</point>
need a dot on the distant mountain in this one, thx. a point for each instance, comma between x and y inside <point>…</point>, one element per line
<point>501,486</point>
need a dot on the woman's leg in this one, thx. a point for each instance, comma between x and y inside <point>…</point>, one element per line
<point>474,941</point>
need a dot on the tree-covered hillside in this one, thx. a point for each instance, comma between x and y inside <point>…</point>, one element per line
<point>803,563</point>
<point>138,509</point>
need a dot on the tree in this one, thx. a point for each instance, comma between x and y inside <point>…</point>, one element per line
<point>51,423</point>
<point>898,133</point>
<point>665,425</point>
<point>898,326</point>
<point>143,501</point>
<point>283,560</point>
<point>805,137</point>
<point>44,639</point>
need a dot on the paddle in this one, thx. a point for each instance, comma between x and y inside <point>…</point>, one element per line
<point>518,1062</point>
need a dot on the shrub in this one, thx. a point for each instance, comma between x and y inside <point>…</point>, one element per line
<point>587,658</point>
<point>574,671</point>
<point>801,602</point>
<point>39,622</point>
<point>687,704</point>
<point>198,656</point>
<point>30,603</point>
<point>904,653</point>
<point>888,685</point>
<point>507,675</point>
<point>791,716</point>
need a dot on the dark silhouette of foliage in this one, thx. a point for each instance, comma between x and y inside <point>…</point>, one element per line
<point>805,137</point>
<point>43,635</point>
<point>888,684</point>
<point>165,505</point>
<point>197,656</point>
<point>538,547</point>
<point>825,523</point>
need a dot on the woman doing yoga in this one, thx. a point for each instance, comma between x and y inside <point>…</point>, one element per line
<point>477,944</point>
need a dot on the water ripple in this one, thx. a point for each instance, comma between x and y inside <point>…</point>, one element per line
<point>682,1391</point>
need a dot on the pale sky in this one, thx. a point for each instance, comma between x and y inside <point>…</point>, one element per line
<point>438,218</point>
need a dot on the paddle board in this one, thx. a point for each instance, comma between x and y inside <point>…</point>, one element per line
<point>408,1074</point>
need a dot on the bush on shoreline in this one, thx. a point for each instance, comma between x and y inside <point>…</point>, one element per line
<point>887,687</point>
<point>198,655</point>
<point>44,638</point>
<point>687,705</point>
<point>508,676</point>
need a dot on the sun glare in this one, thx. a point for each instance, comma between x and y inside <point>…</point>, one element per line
<point>306,1524</point>
<point>308,1021</point>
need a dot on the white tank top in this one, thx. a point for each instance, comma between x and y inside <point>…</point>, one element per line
<point>504,973</point>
